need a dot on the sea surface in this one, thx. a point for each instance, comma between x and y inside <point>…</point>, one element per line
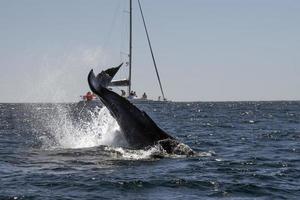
<point>245,150</point>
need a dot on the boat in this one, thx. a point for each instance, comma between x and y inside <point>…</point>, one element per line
<point>126,82</point>
<point>89,99</point>
<point>131,95</point>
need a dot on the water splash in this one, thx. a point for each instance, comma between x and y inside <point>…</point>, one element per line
<point>60,76</point>
<point>140,154</point>
<point>96,127</point>
<point>62,128</point>
<point>153,152</point>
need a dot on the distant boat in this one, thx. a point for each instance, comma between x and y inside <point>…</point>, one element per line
<point>89,99</point>
<point>131,95</point>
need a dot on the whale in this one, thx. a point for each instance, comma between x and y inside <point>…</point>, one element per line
<point>139,130</point>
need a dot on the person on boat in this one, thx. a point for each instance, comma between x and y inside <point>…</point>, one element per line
<point>130,96</point>
<point>144,96</point>
<point>158,98</point>
<point>131,93</point>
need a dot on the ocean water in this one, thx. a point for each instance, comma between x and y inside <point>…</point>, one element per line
<point>245,150</point>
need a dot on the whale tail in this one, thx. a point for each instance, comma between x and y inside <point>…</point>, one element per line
<point>139,130</point>
<point>103,79</point>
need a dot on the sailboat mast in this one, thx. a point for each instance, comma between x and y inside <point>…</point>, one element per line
<point>130,45</point>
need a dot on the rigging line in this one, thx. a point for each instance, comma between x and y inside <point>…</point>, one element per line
<point>149,43</point>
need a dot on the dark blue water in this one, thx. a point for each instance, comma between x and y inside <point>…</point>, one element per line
<point>247,150</point>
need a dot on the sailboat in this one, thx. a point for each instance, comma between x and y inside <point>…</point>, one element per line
<point>127,81</point>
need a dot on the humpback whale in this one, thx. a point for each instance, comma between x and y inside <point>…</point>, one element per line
<point>139,129</point>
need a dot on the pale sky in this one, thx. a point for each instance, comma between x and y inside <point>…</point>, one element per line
<point>206,50</point>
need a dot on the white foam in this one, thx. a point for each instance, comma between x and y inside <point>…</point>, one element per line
<point>102,129</point>
<point>59,130</point>
<point>141,154</point>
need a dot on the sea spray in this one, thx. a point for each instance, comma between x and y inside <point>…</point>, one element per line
<point>69,126</point>
<point>60,76</point>
<point>58,128</point>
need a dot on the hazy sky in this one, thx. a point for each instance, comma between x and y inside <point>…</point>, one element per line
<point>206,50</point>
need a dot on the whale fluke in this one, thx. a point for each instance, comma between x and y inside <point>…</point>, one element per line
<point>139,129</point>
